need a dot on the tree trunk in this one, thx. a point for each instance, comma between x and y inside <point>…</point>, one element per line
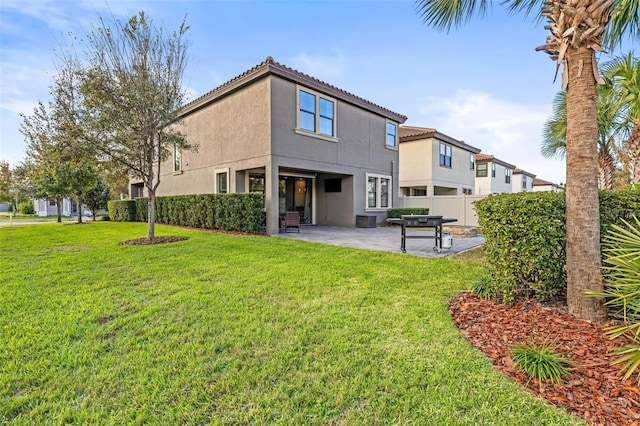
<point>606,169</point>
<point>582,202</point>
<point>152,214</point>
<point>634,152</point>
<point>59,208</point>
<point>79,211</point>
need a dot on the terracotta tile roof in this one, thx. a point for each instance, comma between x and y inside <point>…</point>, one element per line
<point>519,171</point>
<point>270,67</point>
<point>540,182</point>
<point>486,158</point>
<point>412,133</point>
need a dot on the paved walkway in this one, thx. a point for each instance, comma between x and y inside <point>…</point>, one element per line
<point>386,238</point>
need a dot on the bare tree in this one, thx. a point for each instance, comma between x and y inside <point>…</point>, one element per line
<point>132,85</point>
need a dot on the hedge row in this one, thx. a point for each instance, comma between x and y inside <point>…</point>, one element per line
<point>525,239</point>
<point>230,212</point>
<point>397,213</point>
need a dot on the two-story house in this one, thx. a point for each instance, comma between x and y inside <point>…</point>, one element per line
<point>306,145</point>
<point>432,163</point>
<point>541,185</point>
<point>493,176</point>
<point>522,181</point>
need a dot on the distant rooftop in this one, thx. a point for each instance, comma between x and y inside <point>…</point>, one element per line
<point>413,133</point>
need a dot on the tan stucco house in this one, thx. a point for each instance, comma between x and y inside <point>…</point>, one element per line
<point>541,185</point>
<point>307,145</point>
<point>432,163</point>
<point>522,181</point>
<point>493,176</point>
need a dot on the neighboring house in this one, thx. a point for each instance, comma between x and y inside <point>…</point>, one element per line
<point>522,181</point>
<point>493,176</point>
<point>307,145</point>
<point>432,163</point>
<point>545,185</point>
<point>45,207</point>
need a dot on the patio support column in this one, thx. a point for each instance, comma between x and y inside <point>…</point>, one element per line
<point>271,197</point>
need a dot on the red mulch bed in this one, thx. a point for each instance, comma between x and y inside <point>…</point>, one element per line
<point>147,241</point>
<point>594,391</point>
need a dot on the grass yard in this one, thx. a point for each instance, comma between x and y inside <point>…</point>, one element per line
<point>227,329</point>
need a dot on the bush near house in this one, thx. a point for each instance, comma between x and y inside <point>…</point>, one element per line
<point>26,207</point>
<point>230,212</point>
<point>397,213</point>
<point>525,239</point>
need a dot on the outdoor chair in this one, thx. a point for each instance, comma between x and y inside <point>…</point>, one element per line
<point>291,220</point>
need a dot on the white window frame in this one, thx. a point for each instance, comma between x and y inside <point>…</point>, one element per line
<point>447,148</point>
<point>493,170</point>
<point>177,158</point>
<point>316,133</point>
<point>507,175</point>
<point>217,173</point>
<point>386,135</point>
<point>378,206</point>
<point>472,161</point>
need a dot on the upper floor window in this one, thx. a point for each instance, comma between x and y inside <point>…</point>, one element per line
<point>177,158</point>
<point>445,155</point>
<point>472,161</point>
<point>481,170</point>
<point>316,113</point>
<point>493,169</point>
<point>392,134</point>
<point>507,175</point>
<point>524,182</point>
<point>378,191</point>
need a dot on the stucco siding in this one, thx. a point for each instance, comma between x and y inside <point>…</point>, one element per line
<point>231,133</point>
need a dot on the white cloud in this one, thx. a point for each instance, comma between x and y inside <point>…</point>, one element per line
<point>323,66</point>
<point>508,130</point>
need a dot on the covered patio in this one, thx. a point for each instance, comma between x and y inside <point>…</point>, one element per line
<point>385,238</point>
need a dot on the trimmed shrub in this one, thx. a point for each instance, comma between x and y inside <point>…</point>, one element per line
<point>524,244</point>
<point>230,212</point>
<point>122,210</point>
<point>525,239</point>
<point>397,213</point>
<point>26,207</point>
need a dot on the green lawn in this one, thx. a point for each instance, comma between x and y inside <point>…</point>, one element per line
<point>226,329</point>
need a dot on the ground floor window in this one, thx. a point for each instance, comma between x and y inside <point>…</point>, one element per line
<point>222,181</point>
<point>378,191</point>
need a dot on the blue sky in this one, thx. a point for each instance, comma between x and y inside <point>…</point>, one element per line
<point>482,83</point>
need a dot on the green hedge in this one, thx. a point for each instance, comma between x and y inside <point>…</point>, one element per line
<point>397,213</point>
<point>230,212</point>
<point>525,239</point>
<point>122,210</point>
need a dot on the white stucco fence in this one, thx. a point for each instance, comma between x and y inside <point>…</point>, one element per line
<point>456,206</point>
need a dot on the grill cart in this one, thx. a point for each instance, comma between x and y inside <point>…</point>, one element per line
<point>424,221</point>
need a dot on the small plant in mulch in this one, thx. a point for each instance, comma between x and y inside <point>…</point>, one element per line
<point>150,241</point>
<point>540,361</point>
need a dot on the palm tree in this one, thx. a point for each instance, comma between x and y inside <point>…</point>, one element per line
<point>577,31</point>
<point>609,127</point>
<point>625,74</point>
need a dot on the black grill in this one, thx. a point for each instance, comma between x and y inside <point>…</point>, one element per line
<point>421,221</point>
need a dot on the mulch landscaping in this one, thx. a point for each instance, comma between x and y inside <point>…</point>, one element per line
<point>147,241</point>
<point>593,391</point>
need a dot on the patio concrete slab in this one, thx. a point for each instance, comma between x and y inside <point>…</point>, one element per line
<point>385,238</point>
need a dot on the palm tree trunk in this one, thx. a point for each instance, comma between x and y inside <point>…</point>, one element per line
<point>606,169</point>
<point>582,202</point>
<point>634,152</point>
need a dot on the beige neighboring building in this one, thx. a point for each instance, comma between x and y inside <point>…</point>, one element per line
<point>493,176</point>
<point>432,163</point>
<point>306,145</point>
<point>540,185</point>
<point>522,181</point>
